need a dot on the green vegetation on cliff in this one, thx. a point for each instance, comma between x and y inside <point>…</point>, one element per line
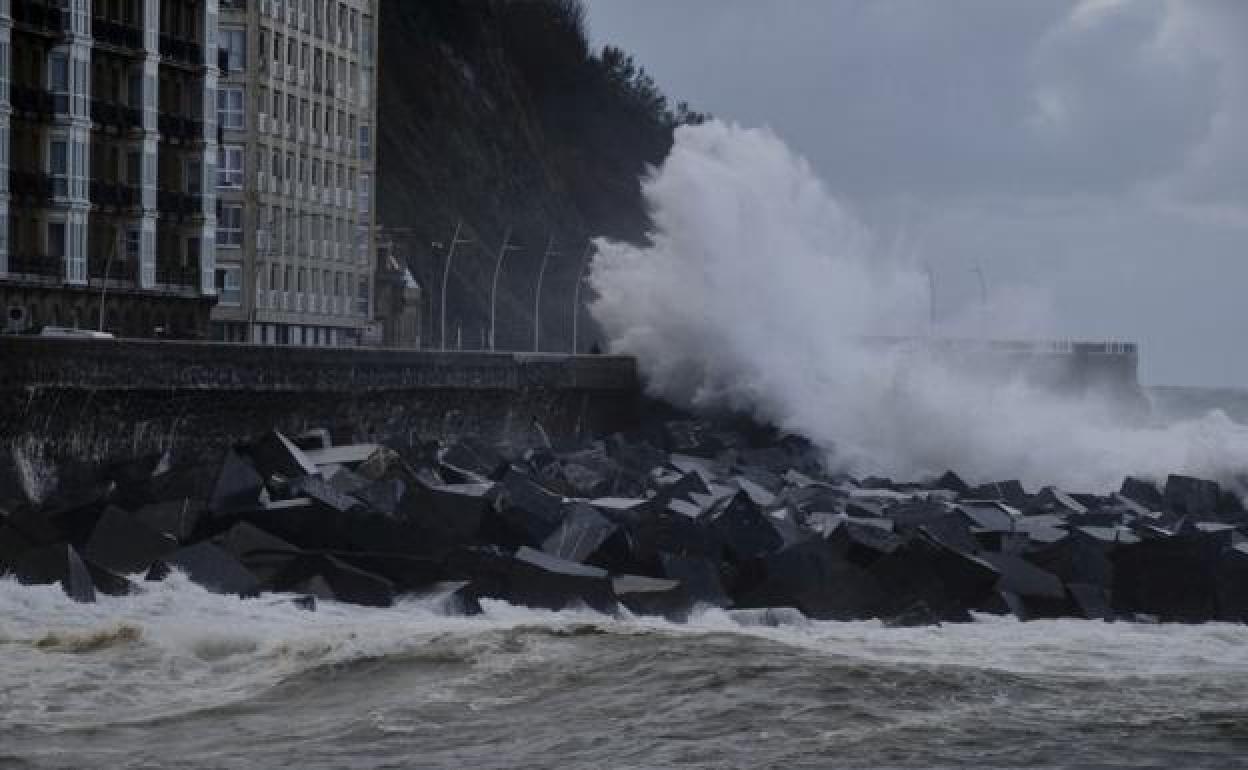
<point>499,114</point>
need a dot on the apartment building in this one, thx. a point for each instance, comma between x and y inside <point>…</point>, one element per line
<point>295,251</point>
<point>108,147</point>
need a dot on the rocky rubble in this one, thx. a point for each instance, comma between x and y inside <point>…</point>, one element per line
<point>685,515</point>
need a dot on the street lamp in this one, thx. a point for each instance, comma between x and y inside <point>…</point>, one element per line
<point>498,268</point>
<point>537,299</point>
<point>576,294</point>
<point>446,275</point>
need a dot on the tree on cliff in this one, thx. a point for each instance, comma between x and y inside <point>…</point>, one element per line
<point>498,112</point>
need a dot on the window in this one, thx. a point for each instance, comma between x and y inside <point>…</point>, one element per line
<point>56,239</point>
<point>58,82</point>
<point>194,177</point>
<point>230,284</point>
<point>132,244</point>
<point>230,100</point>
<point>234,43</point>
<point>58,167</point>
<point>230,225</point>
<point>363,194</point>
<point>366,142</point>
<point>361,298</point>
<point>230,167</point>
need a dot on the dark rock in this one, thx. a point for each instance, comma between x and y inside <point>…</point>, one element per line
<point>323,493</point>
<point>178,518</point>
<point>582,532</point>
<point>651,596</point>
<point>312,573</point>
<point>306,603</point>
<point>211,567</point>
<point>1174,578</point>
<point>951,531</point>
<point>914,616</point>
<point>122,543</point>
<point>1010,492</point>
<point>1189,496</point>
<point>1091,601</point>
<point>262,553</point>
<point>813,577</point>
<point>451,514</point>
<point>528,509</point>
<point>274,454</point>
<point>1142,492</point>
<point>536,579</point>
<point>1232,584</point>
<point>988,516</point>
<point>953,482</point>
<point>1024,579</point>
<point>1077,559</point>
<point>864,543</point>
<point>741,528</point>
<point>698,576</point>
<point>310,440</point>
<point>238,486</point>
<point>923,570</point>
<point>57,563</point>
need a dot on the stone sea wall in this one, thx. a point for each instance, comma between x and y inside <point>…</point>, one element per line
<point>96,401</point>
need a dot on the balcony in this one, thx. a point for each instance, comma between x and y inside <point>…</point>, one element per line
<point>48,268</point>
<point>117,34</point>
<point>32,100</point>
<point>181,51</point>
<point>38,17</point>
<point>174,202</point>
<point>114,194</point>
<point>34,185</point>
<point>112,267</point>
<point>175,274</point>
<point>177,127</point>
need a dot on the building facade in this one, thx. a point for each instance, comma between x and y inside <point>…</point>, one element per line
<point>108,154</point>
<point>295,244</point>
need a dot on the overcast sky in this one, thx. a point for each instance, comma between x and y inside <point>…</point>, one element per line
<point>1096,151</point>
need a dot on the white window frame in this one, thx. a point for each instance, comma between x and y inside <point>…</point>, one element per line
<point>232,108</point>
<point>231,166</point>
<point>230,226</point>
<point>233,40</point>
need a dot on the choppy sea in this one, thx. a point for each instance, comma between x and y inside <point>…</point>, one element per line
<point>178,677</point>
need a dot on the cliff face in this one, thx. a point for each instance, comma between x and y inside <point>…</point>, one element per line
<point>496,114</point>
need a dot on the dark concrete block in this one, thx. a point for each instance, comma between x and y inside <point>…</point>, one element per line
<point>276,455</point>
<point>1232,584</point>
<point>211,567</point>
<point>988,516</point>
<point>57,563</point>
<point>178,518</point>
<point>323,494</point>
<point>312,573</point>
<point>123,544</point>
<point>915,616</point>
<point>383,496</point>
<point>316,438</point>
<point>864,543</point>
<point>923,570</point>
<point>1010,492</point>
<point>582,532</point>
<point>583,481</point>
<point>953,482</point>
<point>1143,492</point>
<point>652,596</point>
<point>1091,601</point>
<point>741,528</point>
<point>262,553</point>
<point>951,531</point>
<point>528,508</point>
<point>699,576</point>
<point>12,547</point>
<point>535,579</point>
<point>1021,577</point>
<point>813,577</point>
<point>1189,496</point>
<point>238,486</point>
<point>1174,578</point>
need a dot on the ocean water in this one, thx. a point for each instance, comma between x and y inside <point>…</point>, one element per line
<point>178,677</point>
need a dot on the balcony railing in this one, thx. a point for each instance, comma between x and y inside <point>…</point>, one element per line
<point>118,34</point>
<point>39,16</point>
<point>36,100</point>
<point>31,184</point>
<point>178,127</point>
<point>42,265</point>
<point>175,274</point>
<point>174,202</point>
<point>112,267</point>
<point>181,50</point>
<point>114,194</point>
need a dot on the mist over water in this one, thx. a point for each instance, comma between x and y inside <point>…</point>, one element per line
<point>757,290</point>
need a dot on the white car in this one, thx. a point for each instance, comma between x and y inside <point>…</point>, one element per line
<point>63,331</point>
